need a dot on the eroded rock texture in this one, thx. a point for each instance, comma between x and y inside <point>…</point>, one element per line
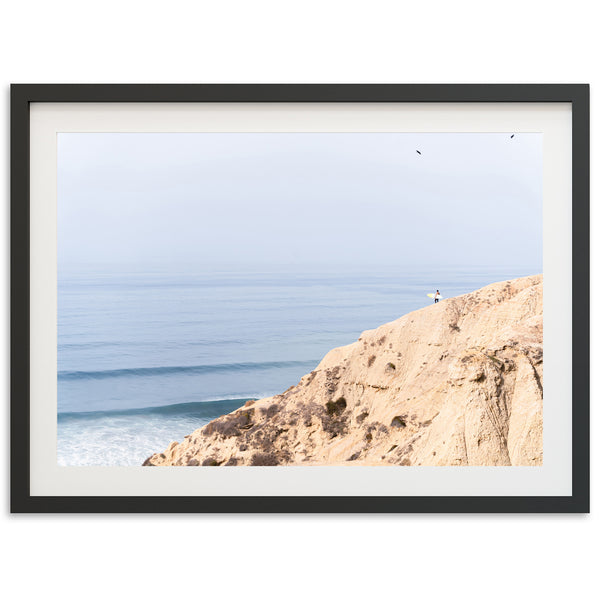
<point>457,383</point>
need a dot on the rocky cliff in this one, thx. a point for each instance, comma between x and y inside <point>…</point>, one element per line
<point>457,383</point>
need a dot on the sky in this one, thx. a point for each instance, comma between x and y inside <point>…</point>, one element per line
<point>328,200</point>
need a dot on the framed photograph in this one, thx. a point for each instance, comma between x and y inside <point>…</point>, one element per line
<point>325,298</point>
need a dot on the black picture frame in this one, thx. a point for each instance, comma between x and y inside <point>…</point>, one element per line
<point>22,95</point>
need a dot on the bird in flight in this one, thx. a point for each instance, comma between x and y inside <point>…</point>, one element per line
<point>418,152</point>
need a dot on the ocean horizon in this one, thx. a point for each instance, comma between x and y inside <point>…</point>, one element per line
<point>147,357</point>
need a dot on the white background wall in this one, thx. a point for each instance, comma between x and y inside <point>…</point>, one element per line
<point>210,556</point>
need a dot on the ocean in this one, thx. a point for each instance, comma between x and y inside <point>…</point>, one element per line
<point>147,357</point>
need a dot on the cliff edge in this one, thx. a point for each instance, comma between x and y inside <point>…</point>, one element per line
<point>459,382</point>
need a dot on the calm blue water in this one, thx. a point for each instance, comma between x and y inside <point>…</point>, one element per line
<point>146,358</point>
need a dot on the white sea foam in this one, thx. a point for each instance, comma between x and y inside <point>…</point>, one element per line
<point>127,438</point>
<point>119,440</point>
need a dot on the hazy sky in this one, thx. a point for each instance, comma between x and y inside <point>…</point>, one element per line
<point>339,199</point>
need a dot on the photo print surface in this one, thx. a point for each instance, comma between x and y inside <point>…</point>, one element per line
<point>281,299</point>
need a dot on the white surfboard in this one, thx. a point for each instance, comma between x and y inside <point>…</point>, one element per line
<point>440,297</point>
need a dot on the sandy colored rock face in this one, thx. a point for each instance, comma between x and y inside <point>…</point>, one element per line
<point>457,383</point>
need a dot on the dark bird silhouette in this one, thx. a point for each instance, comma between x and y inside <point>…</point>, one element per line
<point>418,152</point>
<point>512,136</point>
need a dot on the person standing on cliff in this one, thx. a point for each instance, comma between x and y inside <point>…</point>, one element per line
<point>436,298</point>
